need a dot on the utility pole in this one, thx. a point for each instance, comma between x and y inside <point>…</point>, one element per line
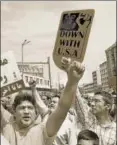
<point>49,72</point>
<point>22,52</point>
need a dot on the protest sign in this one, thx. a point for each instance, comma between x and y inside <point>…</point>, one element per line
<point>72,35</point>
<point>10,77</point>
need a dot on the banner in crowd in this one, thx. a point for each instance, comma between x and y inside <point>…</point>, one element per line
<point>73,34</point>
<point>40,81</point>
<point>10,77</point>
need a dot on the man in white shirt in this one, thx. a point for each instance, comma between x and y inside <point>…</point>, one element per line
<point>26,129</point>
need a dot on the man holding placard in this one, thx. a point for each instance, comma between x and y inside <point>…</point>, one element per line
<point>26,130</point>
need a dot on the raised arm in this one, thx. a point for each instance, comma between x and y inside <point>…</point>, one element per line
<point>84,117</point>
<point>5,116</point>
<point>74,73</point>
<point>43,109</point>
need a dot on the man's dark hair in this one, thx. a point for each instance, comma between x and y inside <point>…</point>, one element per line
<point>23,96</point>
<point>114,93</point>
<point>106,97</point>
<point>56,96</point>
<point>88,135</point>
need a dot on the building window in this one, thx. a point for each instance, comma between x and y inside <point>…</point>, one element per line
<point>26,79</point>
<point>41,81</point>
<point>48,83</point>
<point>45,82</point>
<point>31,79</point>
<point>37,81</point>
<point>114,72</point>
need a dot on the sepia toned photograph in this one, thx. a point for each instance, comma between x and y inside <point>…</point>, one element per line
<point>58,73</point>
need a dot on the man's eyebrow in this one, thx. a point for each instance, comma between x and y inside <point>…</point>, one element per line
<point>95,99</point>
<point>24,105</point>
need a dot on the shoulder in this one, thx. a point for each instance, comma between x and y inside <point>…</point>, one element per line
<point>8,128</point>
<point>8,132</point>
<point>9,125</point>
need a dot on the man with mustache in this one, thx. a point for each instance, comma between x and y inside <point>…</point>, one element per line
<point>26,128</point>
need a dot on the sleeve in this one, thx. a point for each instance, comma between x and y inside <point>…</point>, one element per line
<point>6,132</point>
<point>43,109</point>
<point>9,134</point>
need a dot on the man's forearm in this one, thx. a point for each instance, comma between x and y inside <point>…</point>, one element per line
<point>74,73</point>
<point>68,95</point>
<point>57,117</point>
<point>82,112</point>
<point>40,104</point>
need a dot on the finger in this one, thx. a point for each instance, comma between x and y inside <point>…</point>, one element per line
<point>71,67</point>
<point>65,63</point>
<point>79,67</point>
<point>65,60</point>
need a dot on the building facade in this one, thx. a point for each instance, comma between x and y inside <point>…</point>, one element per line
<point>94,76</point>
<point>88,88</point>
<point>104,76</point>
<point>96,79</point>
<point>111,53</point>
<point>31,68</point>
<point>35,71</point>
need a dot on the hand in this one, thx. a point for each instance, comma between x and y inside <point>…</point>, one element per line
<point>65,63</point>
<point>74,70</point>
<point>32,84</point>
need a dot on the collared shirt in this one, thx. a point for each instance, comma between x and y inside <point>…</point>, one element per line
<point>107,133</point>
<point>34,135</point>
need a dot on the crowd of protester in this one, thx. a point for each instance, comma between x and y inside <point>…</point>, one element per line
<point>68,118</point>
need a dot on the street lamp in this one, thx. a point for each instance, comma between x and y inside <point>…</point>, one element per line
<point>22,50</point>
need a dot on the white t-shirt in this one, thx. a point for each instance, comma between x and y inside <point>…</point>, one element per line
<point>35,135</point>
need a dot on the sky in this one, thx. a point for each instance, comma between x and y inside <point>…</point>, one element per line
<point>38,21</point>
